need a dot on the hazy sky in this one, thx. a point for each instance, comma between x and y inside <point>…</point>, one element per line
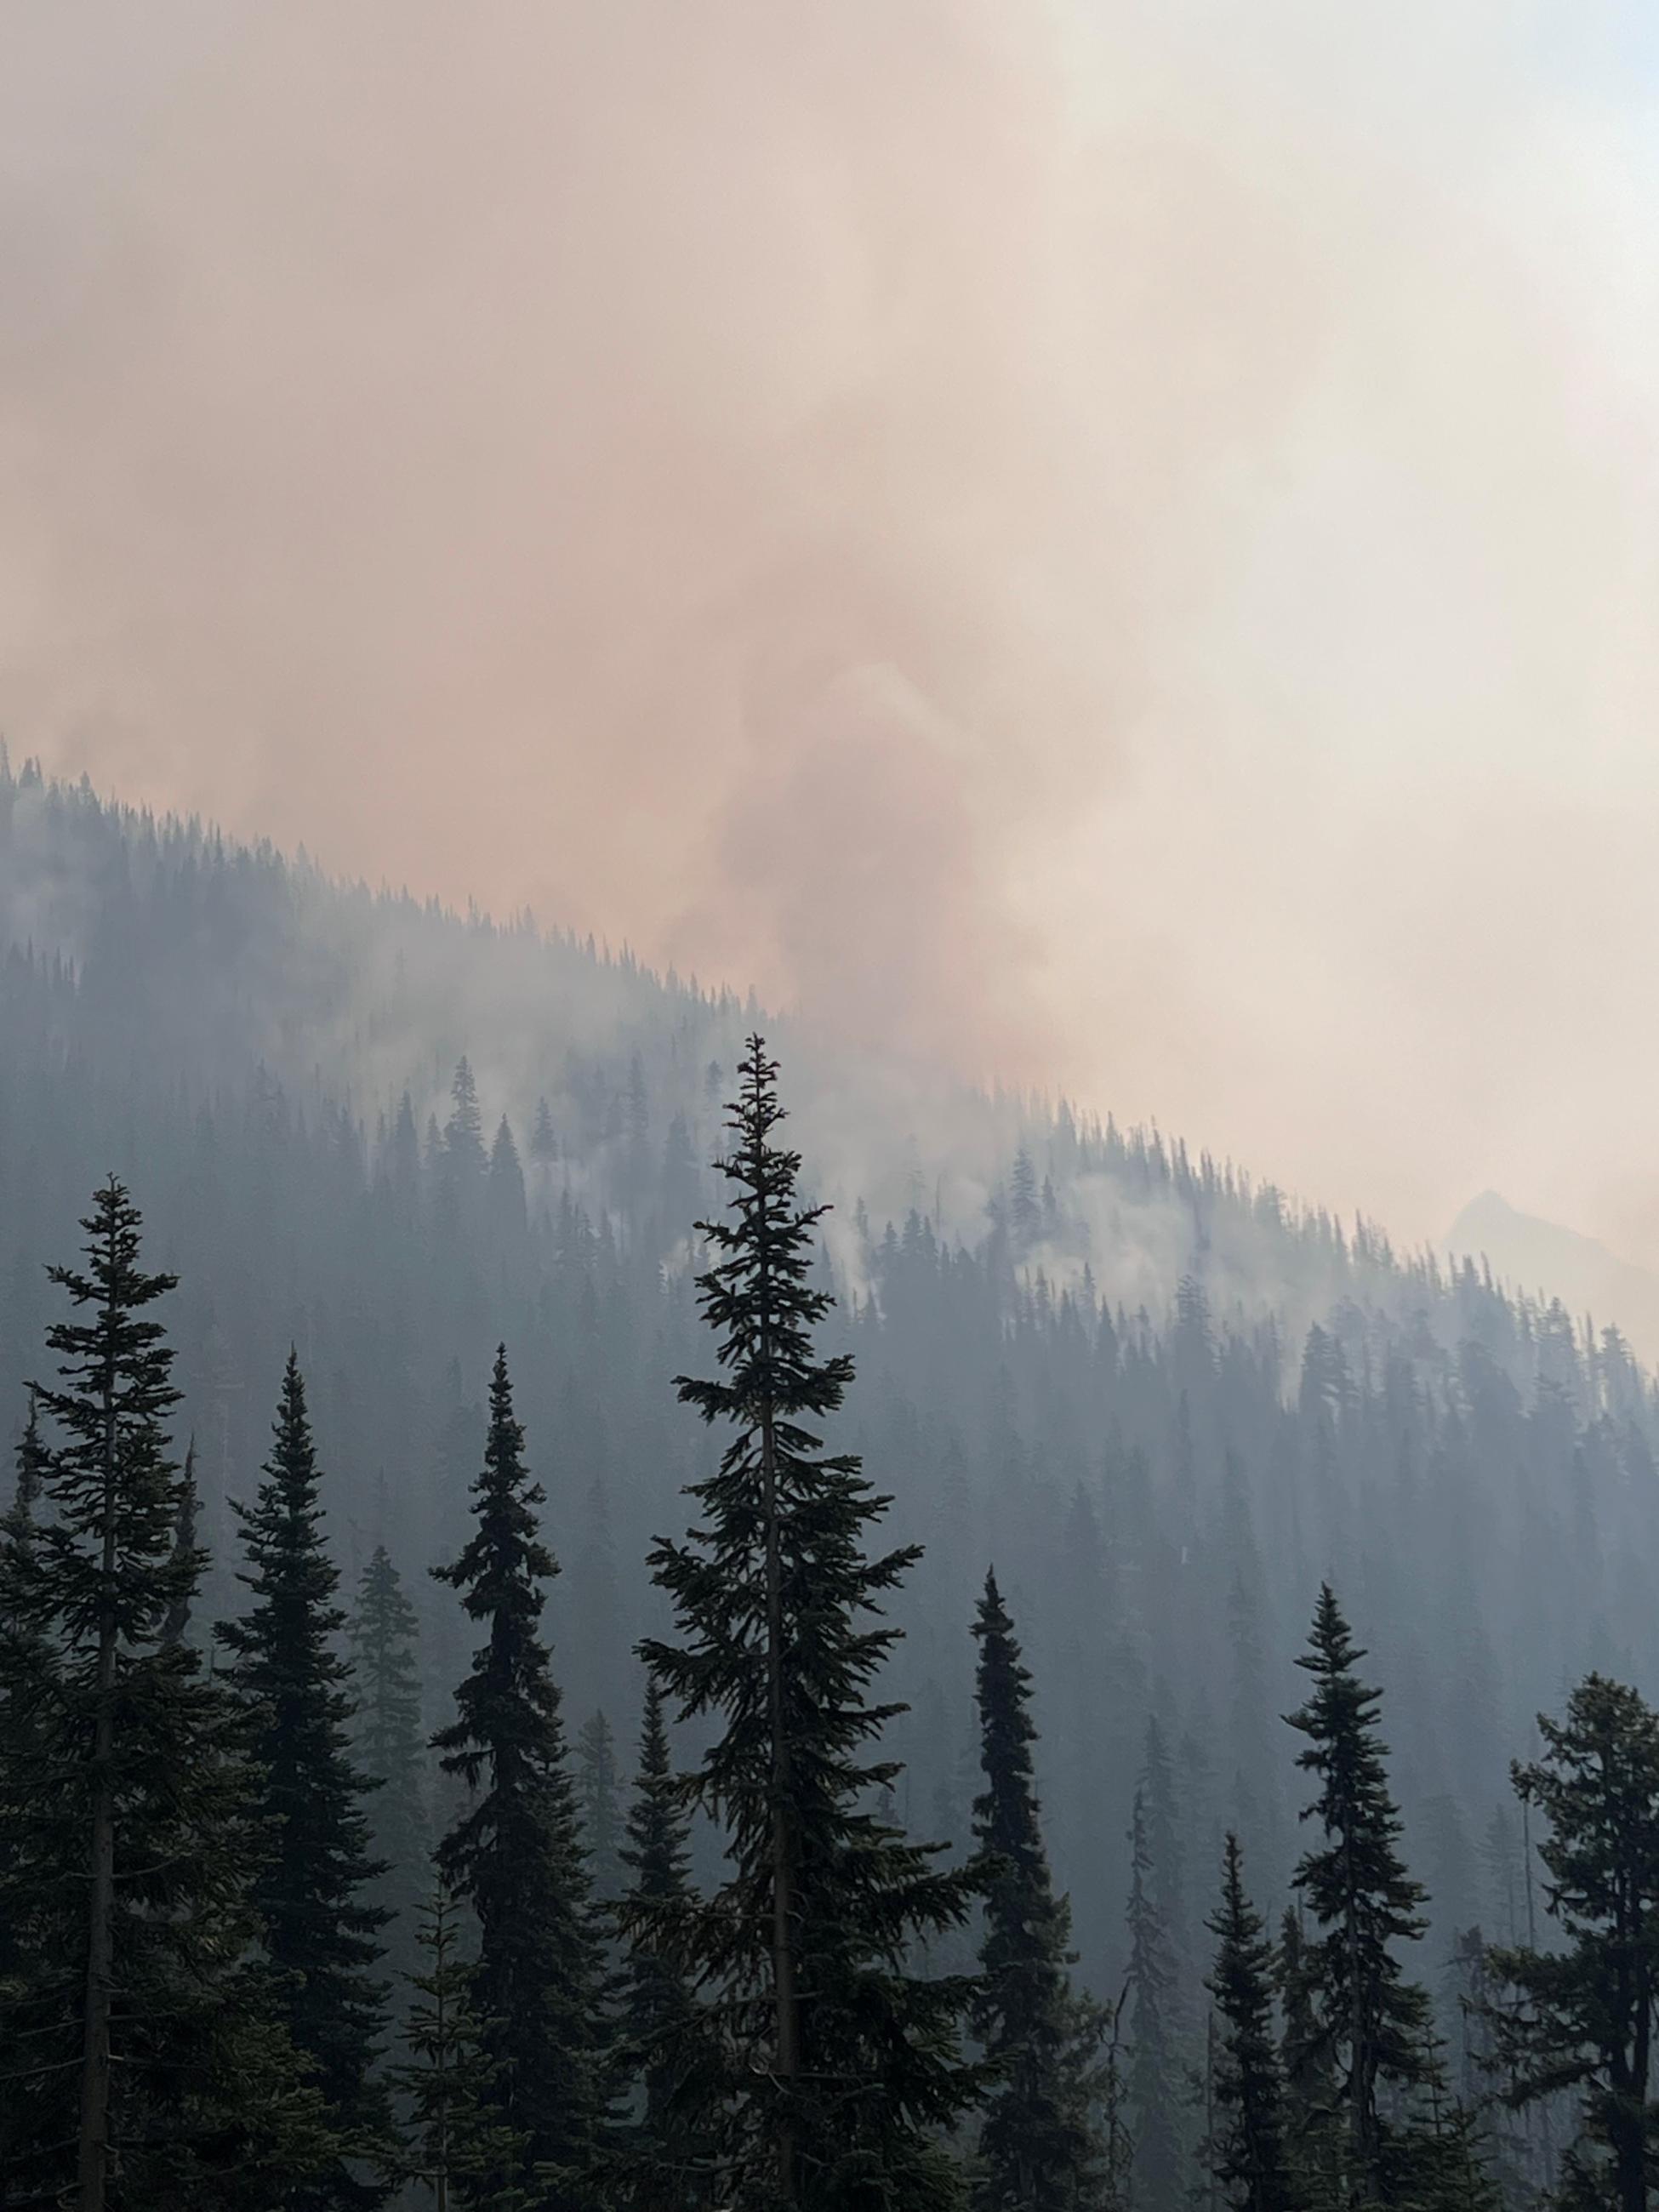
<point>1116,544</point>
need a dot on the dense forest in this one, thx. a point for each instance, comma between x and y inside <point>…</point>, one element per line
<point>462,1809</point>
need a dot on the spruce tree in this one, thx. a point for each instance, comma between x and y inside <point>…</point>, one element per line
<point>1248,2157</point>
<point>666,2167</point>
<point>389,1741</point>
<point>140,2050</point>
<point>843,2065</point>
<point>515,1854</point>
<point>322,1930</point>
<point>1373,2023</point>
<point>1037,2150</point>
<point>1580,2016</point>
<point>1152,2077</point>
<point>459,2148</point>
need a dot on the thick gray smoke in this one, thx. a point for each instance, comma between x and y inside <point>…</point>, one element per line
<point>1040,533</point>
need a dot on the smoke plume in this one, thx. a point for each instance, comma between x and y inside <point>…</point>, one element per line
<point>1103,545</point>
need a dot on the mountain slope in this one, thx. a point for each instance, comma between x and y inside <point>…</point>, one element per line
<point>1159,1399</point>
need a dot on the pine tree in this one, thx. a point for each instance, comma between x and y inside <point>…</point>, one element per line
<point>389,1743</point>
<point>1153,2076</point>
<point>1248,2153</point>
<point>322,1931</point>
<point>1037,2150</point>
<point>459,2148</point>
<point>847,2061</point>
<point>596,1783</point>
<point>666,2166</point>
<point>1581,2015</point>
<point>1374,2023</point>
<point>139,2039</point>
<point>514,1855</point>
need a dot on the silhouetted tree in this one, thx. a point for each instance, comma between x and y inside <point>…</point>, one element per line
<point>322,1930</point>
<point>846,2060</point>
<point>515,1854</point>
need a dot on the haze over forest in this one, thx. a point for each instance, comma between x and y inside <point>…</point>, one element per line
<point>1064,596</point>
<point>1169,492</point>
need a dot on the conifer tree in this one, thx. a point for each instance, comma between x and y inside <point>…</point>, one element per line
<point>596,1783</point>
<point>1037,2150</point>
<point>389,1741</point>
<point>666,2167</point>
<point>459,2149</point>
<point>1152,2076</point>
<point>514,1855</point>
<point>1373,2023</point>
<point>1581,2015</point>
<point>847,2061</point>
<point>1249,2156</point>
<point>140,2045</point>
<point>322,1930</point>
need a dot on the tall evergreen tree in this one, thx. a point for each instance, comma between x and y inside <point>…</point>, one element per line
<point>322,1930</point>
<point>1582,2016</point>
<point>666,2167</point>
<point>1153,2076</point>
<point>1037,2150</point>
<point>1374,2023</point>
<point>1248,2157</point>
<point>847,2062</point>
<point>515,1855</point>
<point>389,1741</point>
<point>459,2148</point>
<point>144,2067</point>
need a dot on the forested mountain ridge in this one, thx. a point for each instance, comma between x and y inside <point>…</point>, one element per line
<point>1161,1402</point>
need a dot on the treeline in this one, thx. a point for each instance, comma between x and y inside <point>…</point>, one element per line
<point>255,1950</point>
<point>1166,1406</point>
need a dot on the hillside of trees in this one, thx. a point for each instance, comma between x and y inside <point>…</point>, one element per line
<point>1159,1405</point>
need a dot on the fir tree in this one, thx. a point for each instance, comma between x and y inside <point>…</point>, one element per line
<point>389,1741</point>
<point>1248,2153</point>
<point>1037,2151</point>
<point>514,1855</point>
<point>1152,2077</point>
<point>322,1930</point>
<point>666,2166</point>
<point>847,2062</point>
<point>1580,2016</point>
<point>141,2049</point>
<point>596,1783</point>
<point>1374,2024</point>
<point>459,2148</point>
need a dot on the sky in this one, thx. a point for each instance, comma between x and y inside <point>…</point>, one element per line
<point>1113,547</point>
